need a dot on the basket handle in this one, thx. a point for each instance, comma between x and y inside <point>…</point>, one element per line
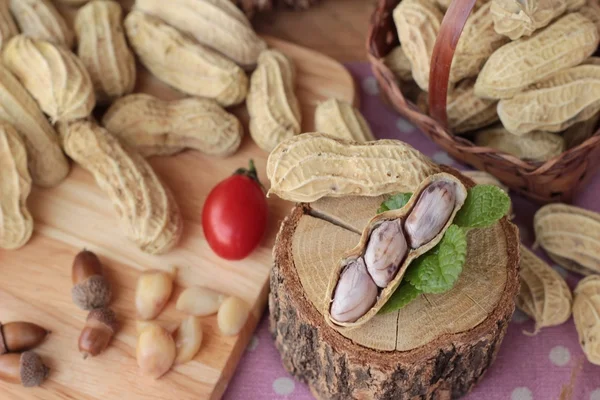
<point>443,52</point>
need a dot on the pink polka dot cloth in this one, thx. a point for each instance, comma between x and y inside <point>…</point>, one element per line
<point>527,367</point>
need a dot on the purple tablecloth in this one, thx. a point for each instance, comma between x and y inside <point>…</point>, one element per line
<point>527,368</point>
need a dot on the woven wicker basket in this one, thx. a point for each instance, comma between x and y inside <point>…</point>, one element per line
<point>555,180</point>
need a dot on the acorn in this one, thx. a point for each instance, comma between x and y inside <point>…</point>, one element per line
<point>26,369</point>
<point>100,327</point>
<point>91,289</point>
<point>16,337</point>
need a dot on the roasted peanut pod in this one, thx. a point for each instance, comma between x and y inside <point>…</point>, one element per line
<point>570,235</point>
<point>466,111</point>
<point>591,10</point>
<point>352,297</point>
<point>310,166</point>
<point>145,206</point>
<point>184,64</point>
<point>8,27</point>
<point>554,104</point>
<point>399,64</point>
<point>215,23</point>
<point>544,294</point>
<point>586,311</point>
<point>516,65</point>
<point>272,104</point>
<point>418,24</point>
<point>476,44</point>
<point>47,163</point>
<point>103,49</point>
<point>339,119</point>
<point>516,18</point>
<point>15,185</point>
<point>158,127</point>
<point>53,75</point>
<point>41,20</point>
<point>535,146</point>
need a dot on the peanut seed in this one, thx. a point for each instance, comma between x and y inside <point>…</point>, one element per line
<point>355,293</point>
<point>188,339</point>
<point>199,301</point>
<point>430,214</point>
<point>152,293</point>
<point>155,351</point>
<point>386,249</point>
<point>232,316</point>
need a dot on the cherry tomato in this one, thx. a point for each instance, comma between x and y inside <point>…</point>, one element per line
<point>235,215</point>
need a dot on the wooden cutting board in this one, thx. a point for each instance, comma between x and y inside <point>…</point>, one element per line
<point>35,281</point>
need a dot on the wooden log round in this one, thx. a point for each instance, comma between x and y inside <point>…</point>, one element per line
<point>437,347</point>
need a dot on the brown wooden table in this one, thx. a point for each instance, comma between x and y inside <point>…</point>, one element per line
<point>337,28</point>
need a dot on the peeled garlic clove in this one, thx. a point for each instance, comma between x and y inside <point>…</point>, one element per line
<point>188,339</point>
<point>142,325</point>
<point>385,251</point>
<point>199,301</point>
<point>155,351</point>
<point>152,293</point>
<point>354,294</point>
<point>232,316</point>
<point>430,213</point>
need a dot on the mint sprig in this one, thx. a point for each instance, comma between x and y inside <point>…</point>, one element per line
<point>438,270</point>
<point>401,297</point>
<point>484,205</point>
<point>394,202</point>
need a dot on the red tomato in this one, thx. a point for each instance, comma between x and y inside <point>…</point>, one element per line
<point>235,215</point>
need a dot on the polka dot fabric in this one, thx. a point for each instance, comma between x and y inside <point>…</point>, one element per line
<point>527,367</point>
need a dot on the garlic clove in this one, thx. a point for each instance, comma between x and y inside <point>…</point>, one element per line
<point>155,351</point>
<point>199,301</point>
<point>152,293</point>
<point>169,326</point>
<point>188,339</point>
<point>232,316</point>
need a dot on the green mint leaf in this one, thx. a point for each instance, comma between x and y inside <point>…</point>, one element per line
<point>394,202</point>
<point>484,205</point>
<point>438,270</point>
<point>401,297</point>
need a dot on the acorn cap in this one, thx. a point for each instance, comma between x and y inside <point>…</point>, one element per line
<point>33,370</point>
<point>105,316</point>
<point>92,293</point>
<point>3,347</point>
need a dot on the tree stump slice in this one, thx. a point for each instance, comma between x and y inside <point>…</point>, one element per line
<point>437,347</point>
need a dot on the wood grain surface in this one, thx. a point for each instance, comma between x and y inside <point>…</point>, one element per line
<point>35,284</point>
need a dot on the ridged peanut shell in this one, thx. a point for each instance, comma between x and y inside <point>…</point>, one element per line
<point>477,43</point>
<point>8,27</point>
<point>591,10</point>
<point>586,314</point>
<point>535,146</point>
<point>554,104</point>
<point>145,206</point>
<point>444,4</point>
<point>544,294</point>
<point>158,127</point>
<point>272,103</point>
<point>466,111</point>
<point>103,49</point>
<point>41,20</point>
<point>54,76</point>
<point>517,18</point>
<point>215,23</point>
<point>399,64</point>
<point>571,234</point>
<point>47,164</point>
<point>359,249</point>
<point>418,24</point>
<point>340,119</point>
<point>310,166</point>
<point>182,63</point>
<point>516,65</point>
<point>16,224</point>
